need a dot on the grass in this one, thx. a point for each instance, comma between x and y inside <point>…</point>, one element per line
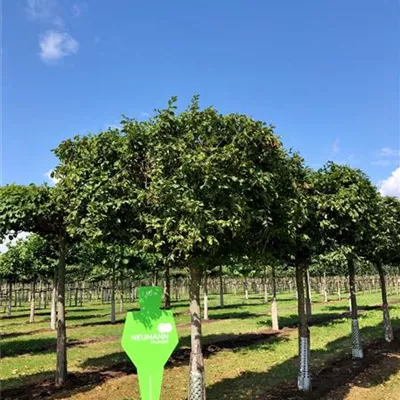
<point>242,373</point>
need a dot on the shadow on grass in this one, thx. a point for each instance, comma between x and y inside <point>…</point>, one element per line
<point>31,346</point>
<point>212,344</point>
<point>233,315</point>
<point>37,314</point>
<point>279,382</point>
<point>320,319</point>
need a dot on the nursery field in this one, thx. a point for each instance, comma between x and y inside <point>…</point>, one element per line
<point>244,358</point>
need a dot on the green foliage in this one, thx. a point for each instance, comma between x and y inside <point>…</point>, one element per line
<point>383,246</point>
<point>212,181</point>
<point>28,260</point>
<point>346,206</point>
<point>29,208</point>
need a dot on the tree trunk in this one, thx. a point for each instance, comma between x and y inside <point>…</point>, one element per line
<point>387,324</point>
<point>325,289</point>
<point>274,305</point>
<point>246,289</point>
<point>81,294</point>
<point>32,313</point>
<point>303,381</point>
<point>113,296</point>
<point>205,308</point>
<point>308,294</point>
<point>357,351</point>
<point>53,302</point>
<point>221,287</point>
<point>339,291</point>
<point>9,305</point>
<point>265,283</point>
<point>121,302</point>
<point>61,368</point>
<point>167,288</point>
<point>46,295</point>
<point>196,366</point>
<point>40,296</point>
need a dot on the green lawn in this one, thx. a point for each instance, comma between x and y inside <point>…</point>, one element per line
<point>231,373</point>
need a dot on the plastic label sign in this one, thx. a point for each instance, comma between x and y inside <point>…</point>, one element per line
<point>149,338</point>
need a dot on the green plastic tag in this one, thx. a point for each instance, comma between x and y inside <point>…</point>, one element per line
<point>149,338</point>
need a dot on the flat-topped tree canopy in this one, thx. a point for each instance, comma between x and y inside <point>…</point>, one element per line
<point>101,184</point>
<point>347,203</point>
<point>384,244</point>
<point>28,259</point>
<point>213,181</point>
<point>183,185</point>
<point>30,208</point>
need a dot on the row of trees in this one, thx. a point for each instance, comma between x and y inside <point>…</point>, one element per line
<point>27,275</point>
<point>199,190</point>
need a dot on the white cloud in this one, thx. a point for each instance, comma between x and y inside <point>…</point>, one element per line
<point>335,147</point>
<point>44,11</point>
<point>50,178</point>
<point>391,185</point>
<point>78,9</point>
<point>55,45</point>
<point>389,152</point>
<point>387,156</point>
<point>40,9</point>
<point>145,114</point>
<point>382,163</point>
<point>4,245</point>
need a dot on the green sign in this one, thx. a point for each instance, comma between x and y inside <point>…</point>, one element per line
<point>149,338</point>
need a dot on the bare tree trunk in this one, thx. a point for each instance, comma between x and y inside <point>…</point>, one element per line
<point>387,323</point>
<point>339,291</point>
<point>53,314</point>
<point>308,294</point>
<point>274,305</point>
<point>205,308</point>
<point>61,368</point>
<point>196,366</point>
<point>40,296</point>
<point>325,289</point>
<point>167,288</point>
<point>357,351</point>
<point>46,295</point>
<point>9,304</point>
<point>246,289</point>
<point>303,381</point>
<point>221,287</point>
<point>265,286</point>
<point>81,293</point>
<point>32,313</point>
<point>113,296</point>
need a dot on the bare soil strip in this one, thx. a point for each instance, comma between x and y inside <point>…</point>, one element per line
<point>340,373</point>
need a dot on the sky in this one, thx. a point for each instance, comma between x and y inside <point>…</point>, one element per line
<point>325,73</point>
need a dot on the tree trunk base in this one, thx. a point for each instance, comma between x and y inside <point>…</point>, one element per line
<point>304,380</point>
<point>356,350</point>
<point>205,312</point>
<point>387,325</point>
<point>274,315</point>
<point>196,386</point>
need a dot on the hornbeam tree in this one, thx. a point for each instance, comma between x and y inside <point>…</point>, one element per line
<point>184,186</point>
<point>298,242</point>
<point>383,249</point>
<point>38,209</point>
<point>11,270</point>
<point>212,180</point>
<point>347,204</point>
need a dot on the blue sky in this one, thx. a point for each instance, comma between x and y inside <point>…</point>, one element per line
<point>326,74</point>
